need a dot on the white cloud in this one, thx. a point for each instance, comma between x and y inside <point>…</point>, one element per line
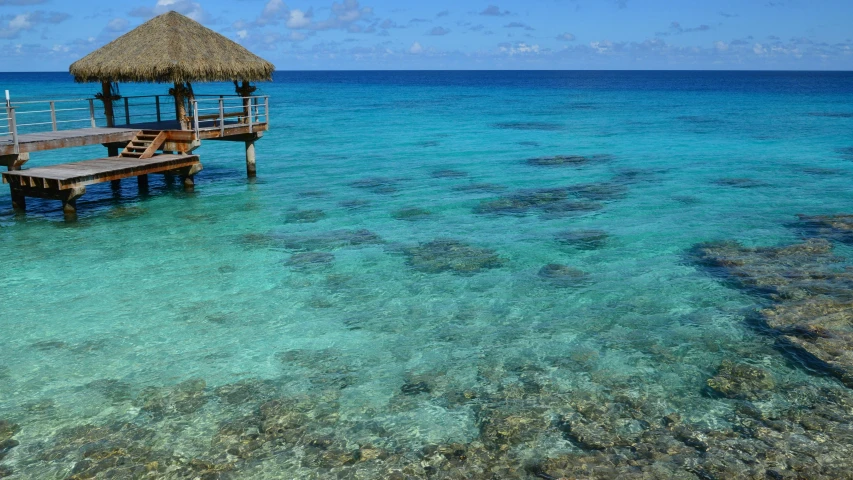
<point>416,48</point>
<point>15,24</point>
<point>566,37</point>
<point>520,48</point>
<point>242,34</point>
<point>189,8</point>
<point>759,49</point>
<point>721,46</point>
<point>299,19</point>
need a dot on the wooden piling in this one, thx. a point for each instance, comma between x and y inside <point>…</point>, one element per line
<point>142,181</point>
<point>251,171</point>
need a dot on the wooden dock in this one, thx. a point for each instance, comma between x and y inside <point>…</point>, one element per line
<point>67,182</point>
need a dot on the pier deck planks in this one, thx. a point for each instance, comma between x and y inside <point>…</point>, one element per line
<point>70,175</point>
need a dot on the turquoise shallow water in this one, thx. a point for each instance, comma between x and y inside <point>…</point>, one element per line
<point>155,291</point>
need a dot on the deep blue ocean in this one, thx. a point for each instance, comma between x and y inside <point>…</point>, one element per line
<point>427,262</point>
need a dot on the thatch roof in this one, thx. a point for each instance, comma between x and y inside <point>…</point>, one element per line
<point>171,48</point>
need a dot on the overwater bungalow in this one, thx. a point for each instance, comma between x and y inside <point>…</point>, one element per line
<point>143,134</point>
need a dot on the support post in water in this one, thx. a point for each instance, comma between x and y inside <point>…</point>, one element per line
<point>69,201</point>
<point>142,181</point>
<point>188,174</point>
<point>19,200</point>
<point>251,172</point>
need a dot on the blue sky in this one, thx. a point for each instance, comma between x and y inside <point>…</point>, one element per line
<point>37,35</point>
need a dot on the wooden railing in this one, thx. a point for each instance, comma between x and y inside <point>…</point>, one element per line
<point>205,110</point>
<point>229,110</point>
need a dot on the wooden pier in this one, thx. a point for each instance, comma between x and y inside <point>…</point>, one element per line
<point>67,182</point>
<point>143,134</point>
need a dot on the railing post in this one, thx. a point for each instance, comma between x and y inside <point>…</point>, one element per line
<point>266,110</point>
<point>53,114</point>
<point>157,102</point>
<point>195,118</point>
<point>126,112</point>
<point>255,104</point>
<point>249,118</point>
<point>13,127</point>
<point>91,113</point>
<point>221,117</point>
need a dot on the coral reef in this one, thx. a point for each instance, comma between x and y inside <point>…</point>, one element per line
<point>304,216</point>
<point>566,160</point>
<point>812,297</point>
<point>308,260</point>
<point>562,275</point>
<point>583,239</point>
<point>411,214</point>
<point>448,173</point>
<point>447,255</point>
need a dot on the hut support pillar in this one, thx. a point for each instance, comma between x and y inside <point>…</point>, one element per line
<point>106,97</point>
<point>251,172</point>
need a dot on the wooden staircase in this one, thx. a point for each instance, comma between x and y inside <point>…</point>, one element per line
<point>144,144</point>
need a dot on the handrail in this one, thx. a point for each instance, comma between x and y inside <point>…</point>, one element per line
<point>217,110</point>
<point>13,127</point>
<point>249,109</point>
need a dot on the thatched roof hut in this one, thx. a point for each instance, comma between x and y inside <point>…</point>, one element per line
<point>171,48</point>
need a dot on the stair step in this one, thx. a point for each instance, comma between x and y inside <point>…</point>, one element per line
<point>133,155</point>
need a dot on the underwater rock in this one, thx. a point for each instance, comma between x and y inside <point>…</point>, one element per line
<point>115,391</point>
<point>741,381</point>
<point>48,345</point>
<point>832,114</point>
<point>566,160</point>
<point>583,239</point>
<point>354,204</point>
<point>448,173</point>
<point>480,188</point>
<point>306,260</point>
<point>521,202</point>
<point>181,399</point>
<point>246,391</point>
<point>528,143</point>
<point>562,275</point>
<point>831,227</point>
<point>544,126</point>
<point>788,272</point>
<point>313,193</point>
<point>415,388</point>
<point>380,185</point>
<point>599,192</point>
<point>5,471</point>
<point>257,240</point>
<point>813,297</point>
<point>305,216</point>
<point>330,240</point>
<point>846,152</point>
<point>502,429</point>
<point>411,214</point>
<point>7,431</point>
<point>443,255</point>
<point>739,182</point>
